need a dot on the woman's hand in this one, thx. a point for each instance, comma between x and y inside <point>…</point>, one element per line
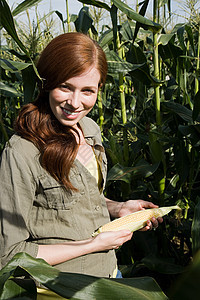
<point>58,253</point>
<point>111,239</point>
<point>120,209</point>
<point>131,206</point>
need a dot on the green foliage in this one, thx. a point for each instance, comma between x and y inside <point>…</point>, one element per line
<point>18,71</point>
<point>187,286</point>
<point>17,279</point>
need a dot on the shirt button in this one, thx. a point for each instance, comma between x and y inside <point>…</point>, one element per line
<point>97,207</point>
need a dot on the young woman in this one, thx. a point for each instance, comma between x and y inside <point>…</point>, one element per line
<point>53,170</point>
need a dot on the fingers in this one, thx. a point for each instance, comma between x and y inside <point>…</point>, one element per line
<point>124,236</point>
<point>160,220</point>
<point>146,204</point>
<point>112,239</point>
<point>152,224</point>
<point>155,222</point>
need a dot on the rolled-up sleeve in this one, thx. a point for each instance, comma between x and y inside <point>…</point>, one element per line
<point>16,200</point>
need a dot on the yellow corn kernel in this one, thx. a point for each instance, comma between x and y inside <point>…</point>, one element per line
<point>136,220</point>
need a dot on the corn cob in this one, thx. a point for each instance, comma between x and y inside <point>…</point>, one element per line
<point>136,220</point>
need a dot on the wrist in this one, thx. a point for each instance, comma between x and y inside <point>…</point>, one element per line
<point>117,210</point>
<point>114,208</point>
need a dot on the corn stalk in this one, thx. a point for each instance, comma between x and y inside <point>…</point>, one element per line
<point>68,16</point>
<point>156,67</point>
<point>100,109</point>
<point>123,102</point>
<point>197,68</point>
<point>157,147</point>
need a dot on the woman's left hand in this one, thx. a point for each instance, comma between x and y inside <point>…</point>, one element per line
<point>120,209</point>
<point>131,206</point>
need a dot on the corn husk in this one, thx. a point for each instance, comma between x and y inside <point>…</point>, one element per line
<point>136,220</point>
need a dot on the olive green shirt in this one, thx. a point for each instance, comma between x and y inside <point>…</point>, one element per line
<point>35,209</point>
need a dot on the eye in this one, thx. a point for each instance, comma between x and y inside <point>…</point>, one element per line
<point>64,87</point>
<point>88,92</point>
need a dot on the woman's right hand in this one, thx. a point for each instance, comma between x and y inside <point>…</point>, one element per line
<point>59,253</point>
<point>111,239</point>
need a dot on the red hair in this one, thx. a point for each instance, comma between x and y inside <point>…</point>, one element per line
<point>66,56</point>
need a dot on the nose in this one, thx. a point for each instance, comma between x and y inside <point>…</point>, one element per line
<point>74,100</point>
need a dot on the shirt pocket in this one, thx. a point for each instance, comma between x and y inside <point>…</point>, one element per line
<point>55,195</point>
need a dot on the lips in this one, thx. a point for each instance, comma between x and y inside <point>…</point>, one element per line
<point>69,112</point>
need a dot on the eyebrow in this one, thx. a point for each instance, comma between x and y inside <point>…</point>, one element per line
<point>85,87</point>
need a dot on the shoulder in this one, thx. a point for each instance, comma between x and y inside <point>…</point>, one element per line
<point>89,126</point>
<point>21,146</point>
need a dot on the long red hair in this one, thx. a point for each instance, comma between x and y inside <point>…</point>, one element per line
<point>66,56</point>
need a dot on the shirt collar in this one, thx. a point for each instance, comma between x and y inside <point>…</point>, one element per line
<point>90,131</point>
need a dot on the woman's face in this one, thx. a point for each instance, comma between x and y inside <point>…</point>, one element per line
<point>73,99</point>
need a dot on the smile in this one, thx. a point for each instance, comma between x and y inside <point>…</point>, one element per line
<point>70,112</point>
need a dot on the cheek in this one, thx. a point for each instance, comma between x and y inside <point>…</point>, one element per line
<point>90,102</point>
<point>54,100</point>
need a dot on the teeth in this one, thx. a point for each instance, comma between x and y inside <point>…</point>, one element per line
<point>69,112</point>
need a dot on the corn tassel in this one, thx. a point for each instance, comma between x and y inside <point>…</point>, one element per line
<point>136,220</point>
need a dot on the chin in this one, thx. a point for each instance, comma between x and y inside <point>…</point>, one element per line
<point>68,123</point>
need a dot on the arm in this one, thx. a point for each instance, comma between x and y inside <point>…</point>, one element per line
<point>58,253</point>
<point>120,209</point>
<point>16,197</point>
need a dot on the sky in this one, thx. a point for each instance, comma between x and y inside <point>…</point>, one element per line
<point>60,5</point>
<point>74,6</point>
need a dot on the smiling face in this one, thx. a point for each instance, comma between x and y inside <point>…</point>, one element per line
<point>73,99</point>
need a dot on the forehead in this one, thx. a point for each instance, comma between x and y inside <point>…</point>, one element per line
<point>89,77</point>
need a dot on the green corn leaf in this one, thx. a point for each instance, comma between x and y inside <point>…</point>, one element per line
<point>169,51</point>
<point>84,22</point>
<point>131,14</point>
<point>163,39</point>
<point>113,14</point>
<point>15,287</point>
<point>189,31</point>
<point>24,6</point>
<point>196,228</point>
<point>7,22</point>
<point>180,35</point>
<point>65,284</point>
<point>29,83</point>
<point>119,172</point>
<point>196,108</point>
<point>142,12</point>
<point>73,18</point>
<point>191,132</point>
<point>21,56</point>
<point>182,111</point>
<point>162,265</point>
<point>59,15</point>
<point>96,3</point>
<point>13,66</point>
<point>188,287</point>
<point>9,91</point>
<point>126,31</point>
<point>116,64</point>
<point>106,39</point>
